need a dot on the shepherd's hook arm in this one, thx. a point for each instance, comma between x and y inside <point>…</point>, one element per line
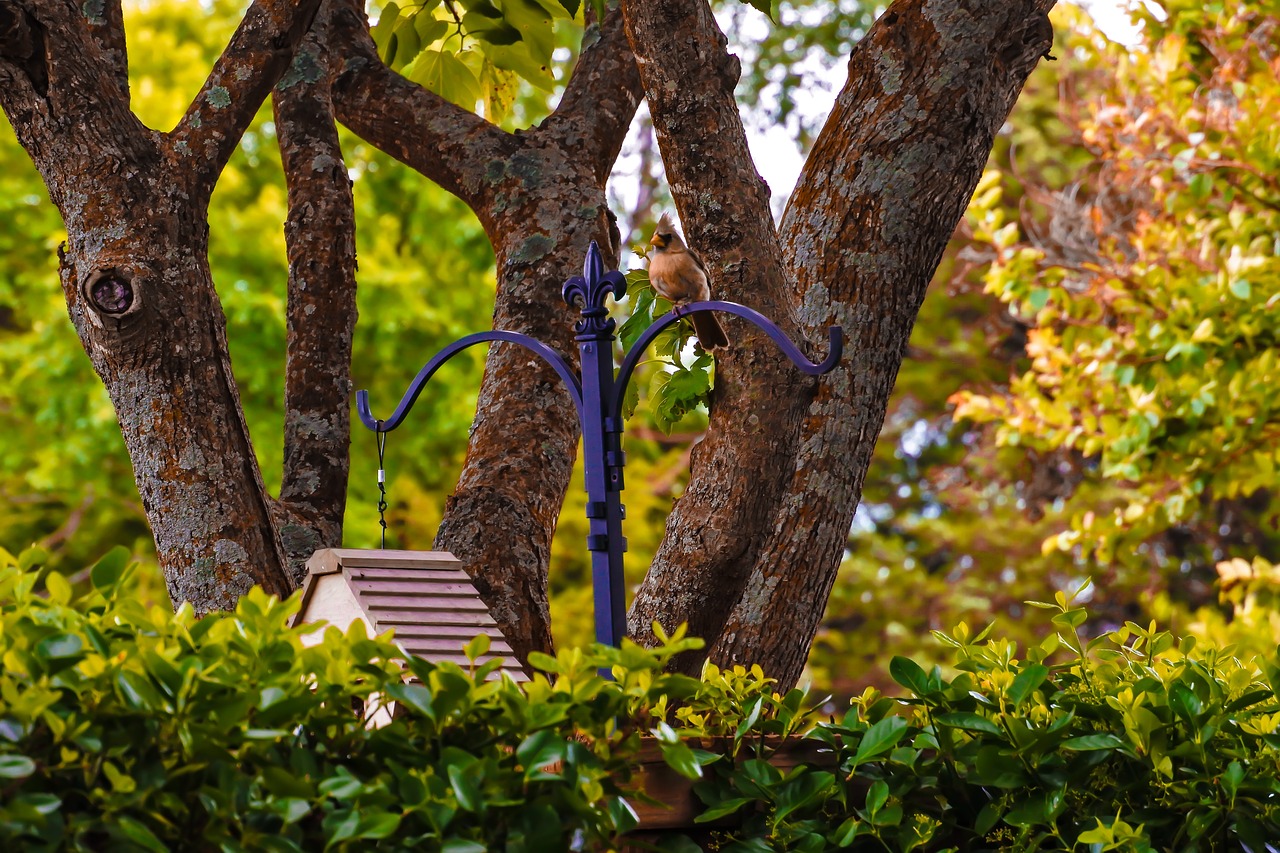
<point>420,381</point>
<point>835,335</point>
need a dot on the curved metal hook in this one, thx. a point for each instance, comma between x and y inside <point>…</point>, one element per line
<point>424,375</point>
<point>835,335</point>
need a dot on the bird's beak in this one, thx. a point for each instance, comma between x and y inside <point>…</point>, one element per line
<point>657,240</point>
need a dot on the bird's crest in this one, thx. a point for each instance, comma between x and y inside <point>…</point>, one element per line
<point>665,225</point>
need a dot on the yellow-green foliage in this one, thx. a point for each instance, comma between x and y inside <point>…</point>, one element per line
<point>1154,290</point>
<point>124,726</point>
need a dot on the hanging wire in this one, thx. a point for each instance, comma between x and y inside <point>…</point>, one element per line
<point>382,487</point>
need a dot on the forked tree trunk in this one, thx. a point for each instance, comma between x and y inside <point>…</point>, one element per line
<point>136,276</point>
<point>881,193</point>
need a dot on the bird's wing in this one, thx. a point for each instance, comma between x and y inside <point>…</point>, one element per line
<point>697,260</point>
<point>692,278</point>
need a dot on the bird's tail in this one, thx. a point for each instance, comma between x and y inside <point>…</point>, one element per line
<point>709,331</point>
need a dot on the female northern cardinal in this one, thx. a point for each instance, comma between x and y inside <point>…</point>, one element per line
<point>678,275</point>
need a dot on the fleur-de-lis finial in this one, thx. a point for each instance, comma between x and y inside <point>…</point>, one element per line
<point>589,291</point>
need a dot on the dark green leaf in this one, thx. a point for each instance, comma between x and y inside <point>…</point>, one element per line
<point>139,834</point>
<point>768,7</point>
<point>109,569</point>
<point>969,722</point>
<point>723,809</point>
<point>1184,702</point>
<point>1026,682</point>
<point>909,674</point>
<point>681,759</point>
<point>1085,743</point>
<point>540,749</point>
<point>879,739</point>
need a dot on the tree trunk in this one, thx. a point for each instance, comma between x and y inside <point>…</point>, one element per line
<point>928,89</point>
<point>738,471</point>
<point>136,277</point>
<point>883,189</point>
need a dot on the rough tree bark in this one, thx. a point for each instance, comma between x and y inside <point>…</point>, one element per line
<point>714,532</point>
<point>321,309</point>
<point>135,269</point>
<point>882,191</point>
<point>864,243</point>
<point>540,195</point>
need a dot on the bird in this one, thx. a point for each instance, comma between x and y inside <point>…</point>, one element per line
<point>679,276</point>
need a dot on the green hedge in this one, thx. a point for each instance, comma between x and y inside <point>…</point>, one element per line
<point>124,727</point>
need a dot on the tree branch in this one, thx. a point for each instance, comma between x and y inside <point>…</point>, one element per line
<point>105,20</point>
<point>601,97</point>
<point>69,99</point>
<point>259,52</point>
<point>449,145</point>
<point>883,189</point>
<point>321,311</point>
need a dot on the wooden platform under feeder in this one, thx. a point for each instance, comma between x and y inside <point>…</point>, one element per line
<point>424,596</point>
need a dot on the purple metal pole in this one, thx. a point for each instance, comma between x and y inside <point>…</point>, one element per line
<point>602,457</point>
<point>598,398</point>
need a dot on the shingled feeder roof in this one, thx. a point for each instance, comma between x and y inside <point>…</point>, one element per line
<point>425,596</point>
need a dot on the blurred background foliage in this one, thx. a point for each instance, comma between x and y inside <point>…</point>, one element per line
<point>1103,324</point>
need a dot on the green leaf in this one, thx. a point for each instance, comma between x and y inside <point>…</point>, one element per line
<point>909,674</point>
<point>877,796</point>
<point>753,714</point>
<point>768,7</point>
<point>681,759</point>
<point>58,588</point>
<point>443,73</point>
<point>380,825</point>
<point>1241,289</point>
<point>413,696</point>
<point>1232,778</point>
<point>540,749</point>
<point>463,845</point>
<point>543,662</point>
<point>1028,812</point>
<point>60,646</point>
<point>405,43</point>
<point>879,739</point>
<point>724,808</point>
<point>1085,743</point>
<point>465,788</point>
<point>969,722</point>
<point>516,58</point>
<point>109,569</point>
<point>382,30</point>
<point>32,557</point>
<point>535,26</point>
<point>430,29</point>
<point>1025,683</point>
<point>16,767</point>
<point>1185,703</point>
<point>139,834</point>
<point>800,792</point>
<point>478,646</point>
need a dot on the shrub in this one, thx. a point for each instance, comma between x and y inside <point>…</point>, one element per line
<point>1135,741</point>
<point>127,727</point>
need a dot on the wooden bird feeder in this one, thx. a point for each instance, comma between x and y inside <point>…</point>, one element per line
<point>425,597</point>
